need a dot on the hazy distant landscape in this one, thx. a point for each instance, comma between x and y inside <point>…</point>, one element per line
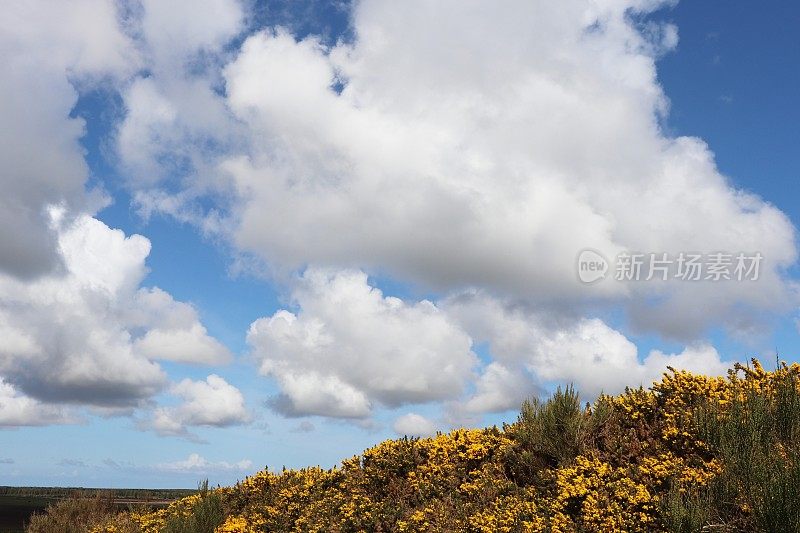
<point>17,504</point>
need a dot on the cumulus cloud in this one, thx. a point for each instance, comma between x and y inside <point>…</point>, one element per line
<point>500,388</point>
<point>488,152</point>
<point>88,334</point>
<point>66,280</point>
<point>482,154</point>
<point>479,155</point>
<point>177,124</point>
<point>174,331</point>
<point>195,463</point>
<point>210,403</point>
<point>19,410</point>
<point>349,347</point>
<point>47,48</point>
<point>531,350</point>
<point>414,425</point>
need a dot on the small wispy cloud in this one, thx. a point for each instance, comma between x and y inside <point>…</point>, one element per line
<point>195,463</point>
<point>71,462</point>
<point>304,427</point>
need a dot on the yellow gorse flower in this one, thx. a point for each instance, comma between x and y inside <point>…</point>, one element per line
<point>645,441</point>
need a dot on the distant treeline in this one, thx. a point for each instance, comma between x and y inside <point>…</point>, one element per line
<point>58,493</point>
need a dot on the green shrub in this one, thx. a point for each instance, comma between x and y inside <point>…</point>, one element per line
<point>688,510</point>
<point>756,440</point>
<point>547,434</point>
<point>206,515</point>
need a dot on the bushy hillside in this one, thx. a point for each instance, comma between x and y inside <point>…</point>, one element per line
<point>691,453</point>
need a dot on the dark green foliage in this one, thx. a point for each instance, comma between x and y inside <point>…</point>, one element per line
<point>686,511</point>
<point>756,440</point>
<point>552,429</point>
<point>547,434</point>
<point>205,517</point>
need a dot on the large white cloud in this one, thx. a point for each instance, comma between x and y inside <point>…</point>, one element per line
<point>349,347</point>
<point>473,144</point>
<point>19,410</point>
<point>88,334</point>
<point>47,48</point>
<point>451,145</point>
<point>177,124</point>
<point>532,350</point>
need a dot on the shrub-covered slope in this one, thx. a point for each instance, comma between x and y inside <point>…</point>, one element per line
<point>691,453</point>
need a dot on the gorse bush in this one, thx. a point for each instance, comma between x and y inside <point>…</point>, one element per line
<point>692,453</point>
<point>754,435</point>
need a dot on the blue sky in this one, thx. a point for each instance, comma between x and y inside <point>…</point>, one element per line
<point>731,82</point>
<point>363,221</point>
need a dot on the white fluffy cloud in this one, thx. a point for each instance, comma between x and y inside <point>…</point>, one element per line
<point>88,334</point>
<point>488,151</point>
<point>177,124</point>
<point>482,153</point>
<point>19,410</point>
<point>210,403</point>
<point>451,145</point>
<point>196,463</point>
<point>174,331</point>
<point>414,425</point>
<point>349,347</point>
<point>47,48</point>
<point>500,388</point>
<point>531,350</point>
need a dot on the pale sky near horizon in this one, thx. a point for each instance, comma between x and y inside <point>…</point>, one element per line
<point>247,234</point>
